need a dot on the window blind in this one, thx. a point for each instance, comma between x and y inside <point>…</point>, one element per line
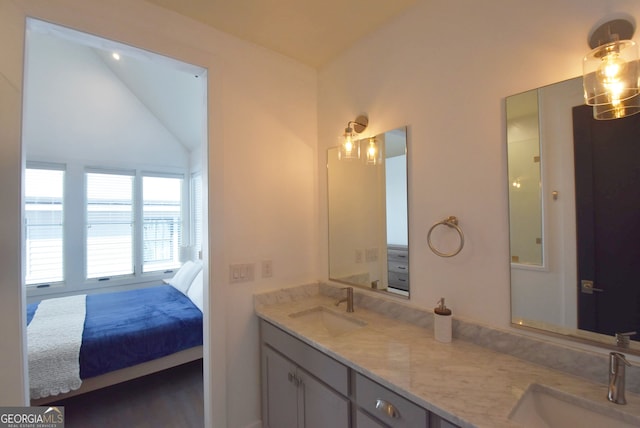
<point>44,216</point>
<point>162,222</point>
<point>110,219</point>
<point>196,211</point>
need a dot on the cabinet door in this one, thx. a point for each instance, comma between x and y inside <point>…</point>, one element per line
<point>365,421</point>
<point>321,406</point>
<point>280,396</point>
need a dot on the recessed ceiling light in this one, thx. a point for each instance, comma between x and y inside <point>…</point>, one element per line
<point>116,56</point>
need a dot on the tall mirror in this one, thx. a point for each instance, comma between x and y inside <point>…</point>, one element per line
<point>574,205</point>
<point>368,217</point>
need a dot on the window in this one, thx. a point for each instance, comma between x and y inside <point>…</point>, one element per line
<point>44,190</point>
<point>110,218</point>
<point>162,222</point>
<point>118,223</point>
<point>196,211</point>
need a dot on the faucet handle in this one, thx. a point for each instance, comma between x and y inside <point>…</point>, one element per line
<point>615,358</point>
<point>622,339</point>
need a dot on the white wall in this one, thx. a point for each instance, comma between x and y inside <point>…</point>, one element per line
<point>77,109</point>
<point>444,68</point>
<point>262,191</point>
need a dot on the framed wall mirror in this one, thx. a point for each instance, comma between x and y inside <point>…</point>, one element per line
<point>574,212</point>
<point>368,216</point>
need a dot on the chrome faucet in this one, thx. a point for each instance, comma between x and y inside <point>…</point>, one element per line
<point>622,339</point>
<point>348,299</point>
<point>617,363</point>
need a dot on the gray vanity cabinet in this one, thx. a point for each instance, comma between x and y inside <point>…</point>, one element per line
<point>301,387</point>
<point>281,401</point>
<point>304,388</point>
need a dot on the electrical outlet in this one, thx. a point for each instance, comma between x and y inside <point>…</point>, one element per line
<point>358,256</point>
<point>267,268</point>
<point>371,255</point>
<point>243,272</point>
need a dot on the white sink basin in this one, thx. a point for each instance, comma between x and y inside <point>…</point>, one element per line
<point>544,407</point>
<point>334,323</point>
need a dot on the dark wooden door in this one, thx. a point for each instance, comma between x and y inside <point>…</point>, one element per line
<point>607,172</point>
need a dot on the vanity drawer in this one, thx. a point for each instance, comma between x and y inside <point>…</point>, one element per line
<point>380,401</point>
<point>333,373</point>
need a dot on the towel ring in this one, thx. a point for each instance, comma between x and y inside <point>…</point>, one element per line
<point>451,221</point>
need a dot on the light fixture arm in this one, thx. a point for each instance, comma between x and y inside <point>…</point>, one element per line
<point>611,31</point>
<point>359,125</point>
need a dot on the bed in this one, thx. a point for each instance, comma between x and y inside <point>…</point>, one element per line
<point>81,343</point>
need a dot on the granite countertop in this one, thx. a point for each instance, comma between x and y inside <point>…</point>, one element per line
<point>467,384</point>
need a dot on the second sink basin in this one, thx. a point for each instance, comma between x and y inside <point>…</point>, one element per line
<point>333,322</point>
<point>544,407</point>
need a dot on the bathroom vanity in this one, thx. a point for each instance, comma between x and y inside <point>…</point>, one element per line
<point>322,366</point>
<point>303,387</point>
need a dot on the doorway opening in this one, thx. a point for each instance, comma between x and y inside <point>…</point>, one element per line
<point>123,133</point>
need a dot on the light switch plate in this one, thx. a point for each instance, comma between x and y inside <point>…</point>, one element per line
<point>267,268</point>
<point>241,272</point>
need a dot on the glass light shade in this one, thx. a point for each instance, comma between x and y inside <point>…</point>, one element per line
<point>610,79</point>
<point>350,146</point>
<point>373,152</point>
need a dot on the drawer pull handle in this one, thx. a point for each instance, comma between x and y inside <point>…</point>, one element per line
<point>387,408</point>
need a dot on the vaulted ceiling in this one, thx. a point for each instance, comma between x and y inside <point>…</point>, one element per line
<point>310,31</point>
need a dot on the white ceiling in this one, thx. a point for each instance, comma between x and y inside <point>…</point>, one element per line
<point>310,31</point>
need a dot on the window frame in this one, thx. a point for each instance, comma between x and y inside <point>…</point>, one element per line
<point>74,256</point>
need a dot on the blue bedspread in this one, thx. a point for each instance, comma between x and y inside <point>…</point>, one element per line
<point>130,327</point>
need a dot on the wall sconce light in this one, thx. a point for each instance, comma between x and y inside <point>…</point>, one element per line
<point>373,152</point>
<point>610,71</point>
<point>350,146</point>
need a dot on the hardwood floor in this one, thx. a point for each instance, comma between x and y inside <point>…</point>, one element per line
<point>172,398</point>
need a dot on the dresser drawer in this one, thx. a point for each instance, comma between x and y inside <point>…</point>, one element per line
<point>387,406</point>
<point>398,254</point>
<point>400,267</point>
<point>399,280</point>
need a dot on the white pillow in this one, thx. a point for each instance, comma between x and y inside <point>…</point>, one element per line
<point>184,277</point>
<point>196,291</point>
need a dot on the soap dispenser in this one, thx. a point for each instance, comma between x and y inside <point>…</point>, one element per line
<point>442,322</point>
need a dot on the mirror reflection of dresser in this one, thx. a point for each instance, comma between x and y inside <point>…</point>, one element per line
<point>398,266</point>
